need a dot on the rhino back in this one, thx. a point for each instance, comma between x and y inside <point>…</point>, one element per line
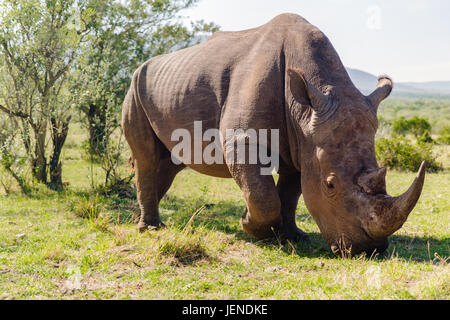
<point>200,82</point>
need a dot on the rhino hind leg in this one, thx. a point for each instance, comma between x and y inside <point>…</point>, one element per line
<point>146,162</point>
<point>154,174</point>
<point>161,180</point>
<point>289,190</point>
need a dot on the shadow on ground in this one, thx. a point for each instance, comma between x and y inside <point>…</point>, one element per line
<point>224,216</point>
<point>419,249</point>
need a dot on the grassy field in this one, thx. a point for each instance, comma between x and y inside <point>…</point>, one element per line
<point>436,111</point>
<point>75,244</point>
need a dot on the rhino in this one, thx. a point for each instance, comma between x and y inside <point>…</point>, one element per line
<point>283,75</point>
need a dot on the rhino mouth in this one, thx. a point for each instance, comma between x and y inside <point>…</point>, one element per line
<point>374,246</point>
<point>347,248</point>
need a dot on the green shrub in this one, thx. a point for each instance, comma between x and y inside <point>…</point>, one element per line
<point>401,153</point>
<point>400,126</point>
<point>89,154</point>
<point>444,136</point>
<point>417,126</point>
<point>425,138</point>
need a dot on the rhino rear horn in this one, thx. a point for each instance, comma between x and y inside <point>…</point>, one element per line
<point>374,181</point>
<point>306,93</point>
<point>384,88</point>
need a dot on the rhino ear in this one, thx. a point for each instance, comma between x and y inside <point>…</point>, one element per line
<point>298,86</point>
<point>304,92</point>
<point>384,88</point>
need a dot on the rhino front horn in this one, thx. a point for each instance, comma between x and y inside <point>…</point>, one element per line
<point>388,214</point>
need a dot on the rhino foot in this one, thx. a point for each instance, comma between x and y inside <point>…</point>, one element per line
<point>143,226</point>
<point>259,231</point>
<point>294,234</point>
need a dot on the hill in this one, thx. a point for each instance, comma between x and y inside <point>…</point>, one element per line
<point>366,82</point>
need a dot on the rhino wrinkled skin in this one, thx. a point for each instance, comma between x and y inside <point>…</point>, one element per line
<point>283,75</point>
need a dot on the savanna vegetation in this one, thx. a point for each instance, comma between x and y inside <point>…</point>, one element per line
<point>67,196</point>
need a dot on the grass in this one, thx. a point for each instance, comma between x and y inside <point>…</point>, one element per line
<point>77,245</point>
<point>437,111</point>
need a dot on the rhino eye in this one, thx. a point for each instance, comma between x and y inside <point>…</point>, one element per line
<point>331,182</point>
<point>330,185</point>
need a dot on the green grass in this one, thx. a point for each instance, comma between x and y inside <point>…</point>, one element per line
<point>77,245</point>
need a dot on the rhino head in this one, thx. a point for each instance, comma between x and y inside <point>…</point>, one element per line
<point>343,187</point>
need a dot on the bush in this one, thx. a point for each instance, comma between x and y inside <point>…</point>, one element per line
<point>400,126</point>
<point>444,136</point>
<point>425,138</point>
<point>88,154</point>
<point>401,153</point>
<point>417,126</point>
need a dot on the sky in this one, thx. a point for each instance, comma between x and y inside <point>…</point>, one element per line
<point>407,40</point>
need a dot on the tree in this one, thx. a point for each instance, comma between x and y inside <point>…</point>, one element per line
<point>59,53</point>
<point>12,156</point>
<point>39,42</point>
<point>123,36</point>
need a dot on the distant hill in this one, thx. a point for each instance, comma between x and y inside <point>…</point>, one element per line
<point>442,87</point>
<point>367,82</point>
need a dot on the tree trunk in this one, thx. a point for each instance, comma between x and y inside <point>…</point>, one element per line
<point>60,130</point>
<point>96,116</point>
<point>20,180</point>
<point>39,161</point>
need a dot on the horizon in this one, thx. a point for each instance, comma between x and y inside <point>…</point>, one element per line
<point>413,32</point>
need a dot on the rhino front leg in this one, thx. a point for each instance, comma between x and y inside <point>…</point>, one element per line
<point>262,217</point>
<point>289,190</point>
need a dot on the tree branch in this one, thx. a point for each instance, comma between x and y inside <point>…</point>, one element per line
<point>14,113</point>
